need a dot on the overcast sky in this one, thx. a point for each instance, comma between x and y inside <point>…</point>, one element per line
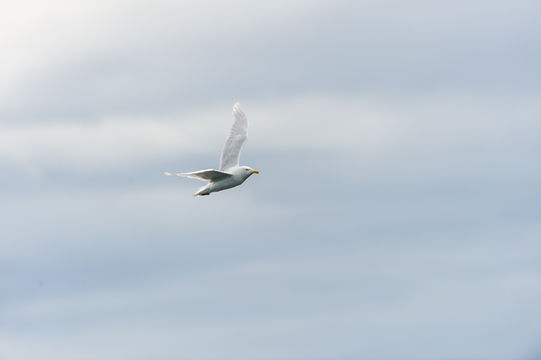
<point>396,216</point>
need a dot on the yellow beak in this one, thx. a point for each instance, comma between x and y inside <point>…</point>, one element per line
<point>255,172</point>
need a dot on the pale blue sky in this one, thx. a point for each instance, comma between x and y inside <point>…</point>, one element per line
<point>397,211</point>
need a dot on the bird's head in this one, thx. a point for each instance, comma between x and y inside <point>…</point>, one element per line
<point>246,171</point>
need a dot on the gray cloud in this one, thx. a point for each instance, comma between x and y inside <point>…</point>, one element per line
<point>396,214</point>
<point>169,58</point>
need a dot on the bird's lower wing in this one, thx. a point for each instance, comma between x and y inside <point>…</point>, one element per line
<point>205,175</point>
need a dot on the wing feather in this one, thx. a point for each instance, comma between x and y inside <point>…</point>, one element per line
<point>206,175</point>
<point>237,137</point>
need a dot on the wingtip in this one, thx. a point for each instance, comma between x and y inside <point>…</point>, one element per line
<point>238,111</point>
<point>167,173</point>
<point>237,107</point>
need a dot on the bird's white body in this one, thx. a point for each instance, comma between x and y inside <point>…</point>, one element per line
<point>230,173</point>
<point>238,175</point>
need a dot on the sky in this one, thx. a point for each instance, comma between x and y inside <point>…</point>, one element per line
<point>397,210</point>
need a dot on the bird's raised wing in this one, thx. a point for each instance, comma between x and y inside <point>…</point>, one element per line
<point>237,138</point>
<point>205,175</point>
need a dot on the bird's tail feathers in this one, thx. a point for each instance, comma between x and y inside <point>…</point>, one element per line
<point>204,190</point>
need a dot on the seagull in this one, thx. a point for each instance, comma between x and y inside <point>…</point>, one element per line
<point>231,174</point>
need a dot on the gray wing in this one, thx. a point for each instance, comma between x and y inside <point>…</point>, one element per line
<point>206,175</point>
<point>237,138</point>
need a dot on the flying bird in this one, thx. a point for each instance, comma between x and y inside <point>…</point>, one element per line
<point>231,174</point>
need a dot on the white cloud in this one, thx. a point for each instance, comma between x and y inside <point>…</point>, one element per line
<point>42,38</point>
<point>377,303</point>
<point>66,58</point>
<point>107,144</point>
<point>64,221</point>
<point>411,228</point>
<point>367,128</point>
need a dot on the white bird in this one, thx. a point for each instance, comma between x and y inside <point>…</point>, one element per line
<point>230,173</point>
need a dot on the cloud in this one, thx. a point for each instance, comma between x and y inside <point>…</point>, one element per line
<point>141,51</point>
<point>359,130</point>
<point>165,57</point>
<point>109,143</point>
<point>396,213</point>
<point>239,306</point>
